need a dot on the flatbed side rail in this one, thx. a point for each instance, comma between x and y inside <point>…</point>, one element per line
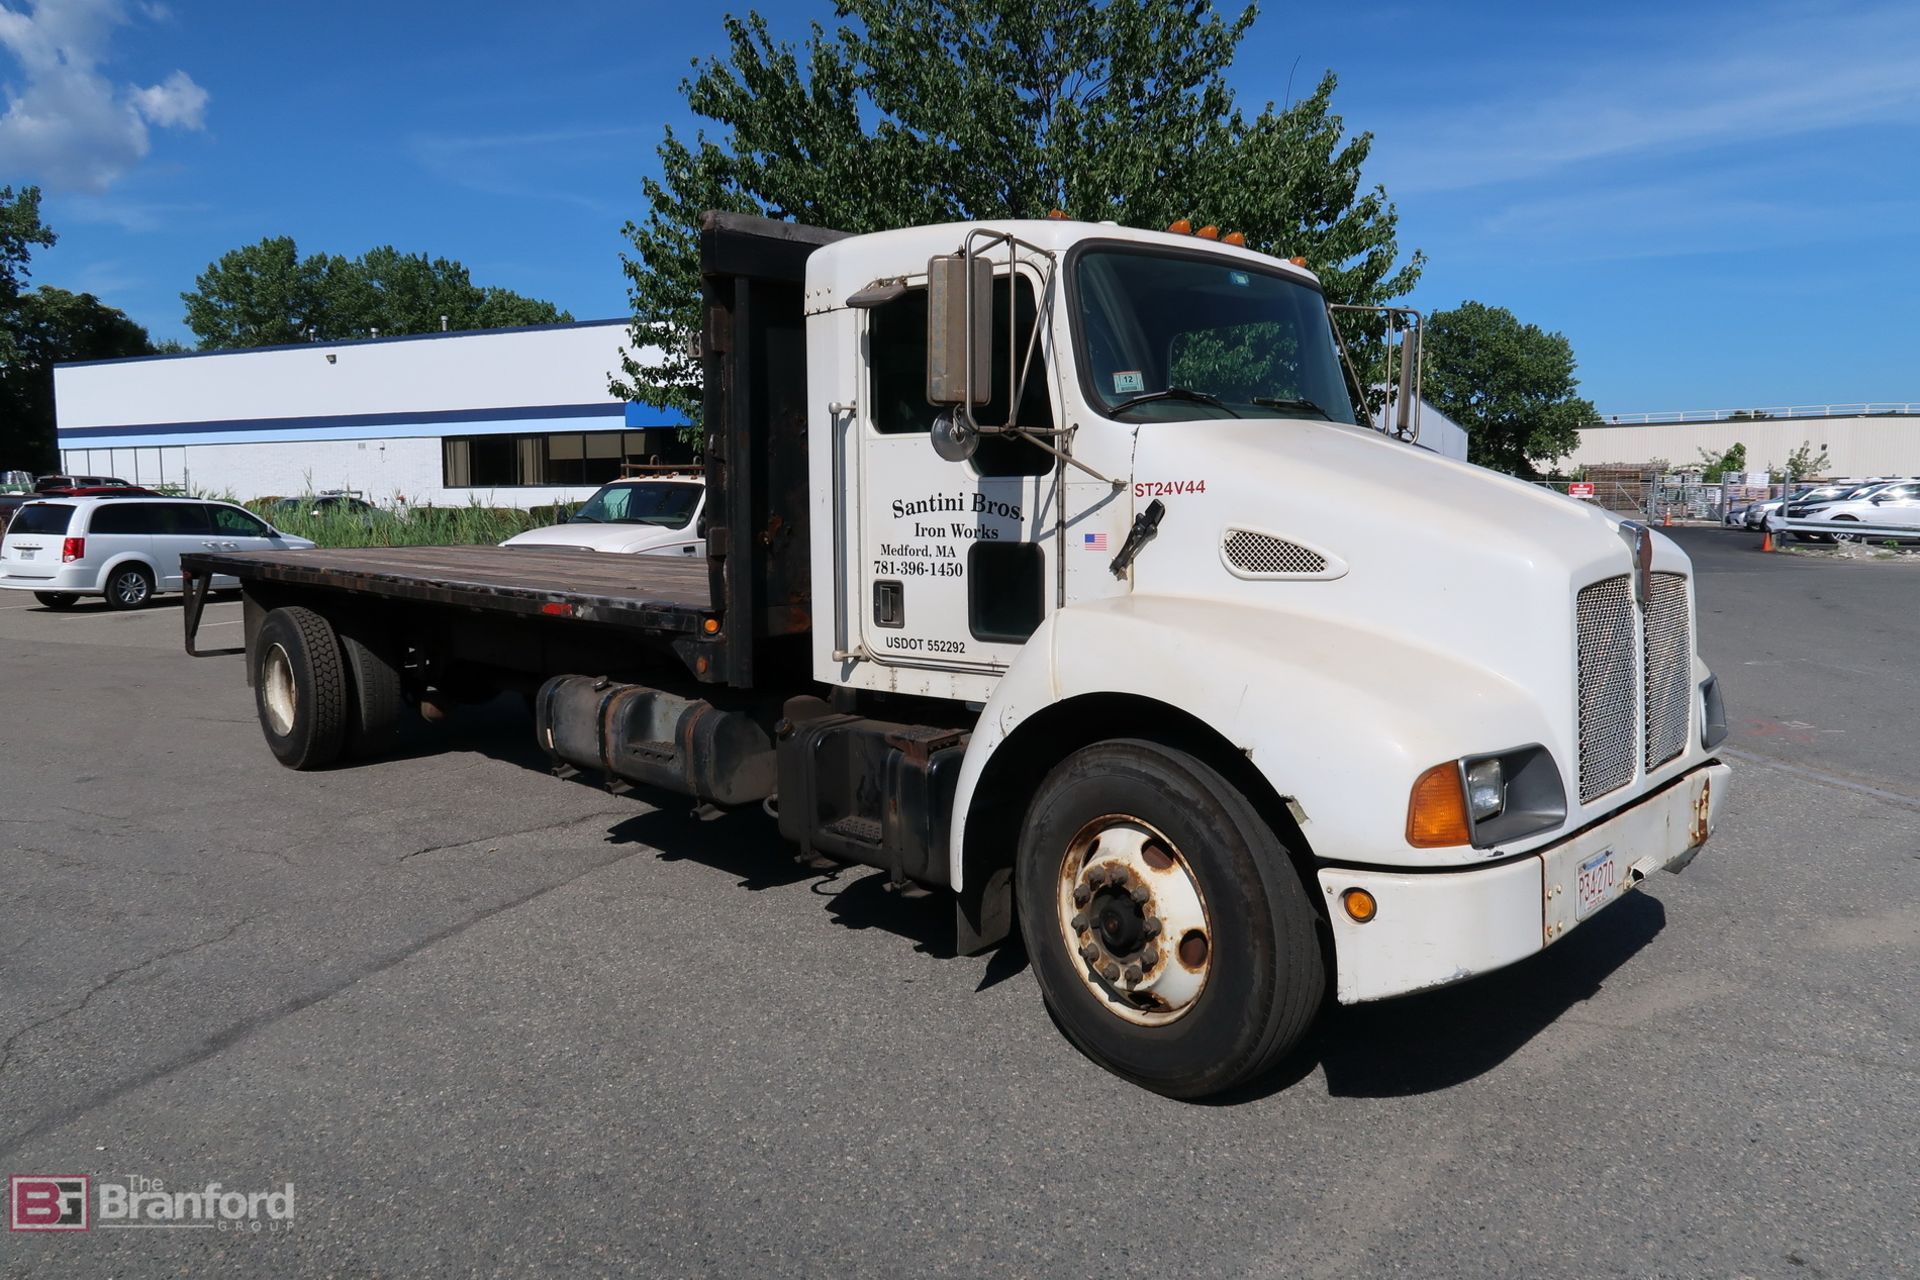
<point>195,586</point>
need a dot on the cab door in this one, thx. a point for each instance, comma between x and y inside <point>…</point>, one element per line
<point>956,563</point>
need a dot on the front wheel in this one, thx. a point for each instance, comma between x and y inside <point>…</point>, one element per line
<point>1170,933</point>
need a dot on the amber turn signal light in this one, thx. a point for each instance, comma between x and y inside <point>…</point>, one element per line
<point>1437,809</point>
<point>1360,905</point>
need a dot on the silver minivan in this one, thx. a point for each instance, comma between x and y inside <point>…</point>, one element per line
<point>125,549</point>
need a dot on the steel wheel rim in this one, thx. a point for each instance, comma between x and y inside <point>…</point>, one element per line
<point>276,687</point>
<point>130,588</point>
<point>1134,921</point>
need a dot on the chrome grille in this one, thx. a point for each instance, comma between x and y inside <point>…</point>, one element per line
<point>1608,701</point>
<point>1266,556</point>
<point>1668,666</point>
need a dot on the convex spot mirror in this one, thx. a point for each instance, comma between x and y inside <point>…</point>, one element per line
<point>953,439</point>
<point>953,326</point>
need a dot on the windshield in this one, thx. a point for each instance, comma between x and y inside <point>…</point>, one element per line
<point>1172,337</point>
<point>660,503</point>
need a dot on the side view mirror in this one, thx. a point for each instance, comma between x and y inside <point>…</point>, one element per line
<point>956,330</point>
<point>953,439</point>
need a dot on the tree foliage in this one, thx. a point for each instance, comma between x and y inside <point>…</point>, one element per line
<point>1715,466</point>
<point>266,294</point>
<point>1511,385</point>
<point>1803,462</point>
<point>49,326</point>
<point>924,111</point>
<point>20,232</point>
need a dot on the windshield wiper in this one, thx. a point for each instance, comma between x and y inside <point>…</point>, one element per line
<point>577,518</point>
<point>1173,393</point>
<point>1296,406</point>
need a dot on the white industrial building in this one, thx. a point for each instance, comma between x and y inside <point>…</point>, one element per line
<point>1859,439</point>
<point>502,417</point>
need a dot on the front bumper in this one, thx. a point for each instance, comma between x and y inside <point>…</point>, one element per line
<point>1433,929</point>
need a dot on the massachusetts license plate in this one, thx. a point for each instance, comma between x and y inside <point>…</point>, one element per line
<point>1598,880</point>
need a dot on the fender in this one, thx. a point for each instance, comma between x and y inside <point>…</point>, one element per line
<point>106,571</point>
<point>1339,718</point>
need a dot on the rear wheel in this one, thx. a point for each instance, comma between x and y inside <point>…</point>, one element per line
<point>1172,938</point>
<point>300,688</point>
<point>1846,537</point>
<point>57,599</point>
<point>130,586</point>
<point>376,699</point>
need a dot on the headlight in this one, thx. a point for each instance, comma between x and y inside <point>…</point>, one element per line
<point>1486,789</point>
<point>1486,800</point>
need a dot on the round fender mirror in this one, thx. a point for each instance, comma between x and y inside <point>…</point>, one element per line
<point>953,439</point>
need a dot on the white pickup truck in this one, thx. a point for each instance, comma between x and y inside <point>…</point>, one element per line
<point>1034,575</point>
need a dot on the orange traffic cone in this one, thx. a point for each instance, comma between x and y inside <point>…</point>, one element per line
<point>1766,538</point>
<point>1666,521</point>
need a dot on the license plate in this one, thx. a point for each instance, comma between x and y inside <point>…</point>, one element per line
<point>26,553</point>
<point>1599,877</point>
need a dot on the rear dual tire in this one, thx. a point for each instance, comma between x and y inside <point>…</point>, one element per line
<point>321,694</point>
<point>1136,858</point>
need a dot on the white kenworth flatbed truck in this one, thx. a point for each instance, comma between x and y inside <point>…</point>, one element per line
<point>1047,567</point>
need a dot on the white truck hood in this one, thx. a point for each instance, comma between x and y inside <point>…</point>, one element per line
<point>627,539</point>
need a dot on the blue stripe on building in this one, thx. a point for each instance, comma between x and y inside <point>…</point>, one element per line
<point>606,416</point>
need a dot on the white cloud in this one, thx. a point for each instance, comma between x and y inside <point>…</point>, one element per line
<point>68,124</point>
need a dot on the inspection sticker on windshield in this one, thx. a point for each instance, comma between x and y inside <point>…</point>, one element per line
<point>1240,278</point>
<point>1599,877</point>
<point>1127,381</point>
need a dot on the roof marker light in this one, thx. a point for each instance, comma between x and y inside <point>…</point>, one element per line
<point>1180,227</point>
<point>1208,232</point>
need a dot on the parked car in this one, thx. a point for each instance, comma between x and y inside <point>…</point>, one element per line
<point>126,549</point>
<point>655,517</point>
<point>321,504</point>
<point>1814,508</point>
<point>1896,505</point>
<point>64,483</point>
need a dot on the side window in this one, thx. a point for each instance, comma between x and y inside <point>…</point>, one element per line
<point>897,353</point>
<point>122,517</point>
<point>236,523</point>
<point>183,519</point>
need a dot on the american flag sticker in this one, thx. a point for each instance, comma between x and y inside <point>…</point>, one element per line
<point>1094,541</point>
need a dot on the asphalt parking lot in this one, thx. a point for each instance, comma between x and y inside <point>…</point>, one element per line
<point>487,1021</point>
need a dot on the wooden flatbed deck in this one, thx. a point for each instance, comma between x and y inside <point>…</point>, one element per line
<point>648,592</point>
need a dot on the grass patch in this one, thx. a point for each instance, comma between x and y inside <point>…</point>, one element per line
<point>472,525</point>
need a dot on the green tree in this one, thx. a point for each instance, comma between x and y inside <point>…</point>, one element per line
<point>49,326</point>
<point>1803,463</point>
<point>1714,466</point>
<point>266,294</point>
<point>919,111</point>
<point>20,231</point>
<point>1511,385</point>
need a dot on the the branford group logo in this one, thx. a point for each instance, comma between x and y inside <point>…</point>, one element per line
<point>47,1203</point>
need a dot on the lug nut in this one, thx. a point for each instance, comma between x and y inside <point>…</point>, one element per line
<point>1082,895</point>
<point>1110,971</point>
<point>1080,922</point>
<point>1089,952</point>
<point>1141,893</point>
<point>1096,876</point>
<point>1153,926</point>
<point>1150,957</point>
<point>1133,973</point>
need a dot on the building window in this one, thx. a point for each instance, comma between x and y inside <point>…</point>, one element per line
<point>574,458</point>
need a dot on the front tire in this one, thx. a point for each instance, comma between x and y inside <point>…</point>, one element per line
<point>130,587</point>
<point>300,688</point>
<point>57,599</point>
<point>1171,935</point>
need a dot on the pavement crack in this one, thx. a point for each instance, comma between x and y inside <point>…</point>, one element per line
<point>6,1048</point>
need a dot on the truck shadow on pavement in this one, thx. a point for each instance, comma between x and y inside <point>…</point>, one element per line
<point>1395,1048</point>
<point>1439,1039</point>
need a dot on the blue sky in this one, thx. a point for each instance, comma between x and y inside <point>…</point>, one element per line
<point>1718,203</point>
